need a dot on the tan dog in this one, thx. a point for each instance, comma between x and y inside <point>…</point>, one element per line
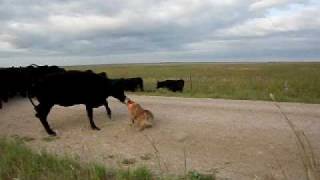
<point>142,118</point>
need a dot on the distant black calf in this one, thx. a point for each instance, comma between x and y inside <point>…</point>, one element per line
<point>71,88</point>
<point>172,85</point>
<point>132,84</point>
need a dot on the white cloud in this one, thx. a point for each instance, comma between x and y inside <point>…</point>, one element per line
<point>262,4</point>
<point>5,42</point>
<point>84,23</point>
<point>300,20</point>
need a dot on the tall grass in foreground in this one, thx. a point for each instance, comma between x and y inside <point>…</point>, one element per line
<point>293,82</point>
<point>18,161</point>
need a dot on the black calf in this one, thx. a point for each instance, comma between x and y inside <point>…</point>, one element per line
<point>172,85</point>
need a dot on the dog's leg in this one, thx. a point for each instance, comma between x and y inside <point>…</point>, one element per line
<point>141,126</point>
<point>131,121</point>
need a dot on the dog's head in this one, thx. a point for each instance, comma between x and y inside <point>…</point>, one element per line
<point>130,104</point>
<point>130,101</point>
<point>134,107</point>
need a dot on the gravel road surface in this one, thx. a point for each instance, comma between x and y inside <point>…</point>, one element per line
<point>236,139</point>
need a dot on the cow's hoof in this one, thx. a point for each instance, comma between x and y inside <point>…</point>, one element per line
<point>109,116</point>
<point>96,128</point>
<point>52,133</point>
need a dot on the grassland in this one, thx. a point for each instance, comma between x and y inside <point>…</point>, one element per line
<point>289,82</point>
<point>17,161</point>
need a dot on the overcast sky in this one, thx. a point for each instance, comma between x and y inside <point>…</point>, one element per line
<point>66,32</point>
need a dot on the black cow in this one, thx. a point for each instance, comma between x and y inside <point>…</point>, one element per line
<point>103,74</point>
<point>3,86</point>
<point>35,72</point>
<point>132,84</point>
<point>71,88</point>
<point>172,85</point>
<point>17,80</point>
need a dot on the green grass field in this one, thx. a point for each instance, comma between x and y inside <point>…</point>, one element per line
<point>290,82</point>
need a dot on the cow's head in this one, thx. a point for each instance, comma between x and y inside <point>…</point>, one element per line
<point>117,90</point>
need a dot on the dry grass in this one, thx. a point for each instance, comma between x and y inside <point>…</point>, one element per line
<point>309,160</point>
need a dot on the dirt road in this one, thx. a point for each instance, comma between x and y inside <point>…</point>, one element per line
<point>235,139</point>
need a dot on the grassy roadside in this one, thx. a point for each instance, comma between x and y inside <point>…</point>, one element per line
<point>290,82</point>
<point>19,162</point>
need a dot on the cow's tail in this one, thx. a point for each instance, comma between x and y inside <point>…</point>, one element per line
<point>30,99</point>
<point>33,104</point>
<point>30,95</point>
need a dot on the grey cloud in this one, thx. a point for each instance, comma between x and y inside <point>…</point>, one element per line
<point>129,31</point>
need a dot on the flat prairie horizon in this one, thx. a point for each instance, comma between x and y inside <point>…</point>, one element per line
<point>199,62</point>
<point>288,81</point>
<point>16,64</point>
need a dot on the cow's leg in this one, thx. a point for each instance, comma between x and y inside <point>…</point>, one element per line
<point>107,109</point>
<point>90,115</point>
<point>5,98</point>
<point>141,87</point>
<point>42,114</point>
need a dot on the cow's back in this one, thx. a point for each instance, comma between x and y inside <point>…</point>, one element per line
<point>72,87</point>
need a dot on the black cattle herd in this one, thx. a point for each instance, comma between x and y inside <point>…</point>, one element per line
<point>16,81</point>
<point>53,85</point>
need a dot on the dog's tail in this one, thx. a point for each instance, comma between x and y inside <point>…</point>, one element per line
<point>148,122</point>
